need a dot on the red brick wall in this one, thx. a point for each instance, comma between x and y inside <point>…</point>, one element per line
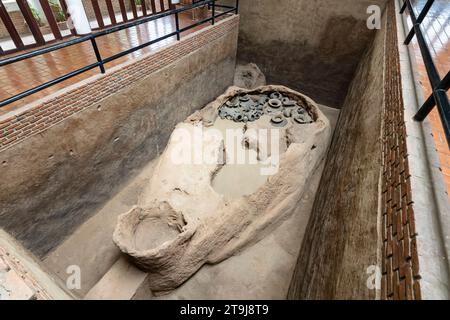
<point>104,9</point>
<point>22,27</point>
<point>19,127</point>
<point>400,265</point>
<point>19,23</point>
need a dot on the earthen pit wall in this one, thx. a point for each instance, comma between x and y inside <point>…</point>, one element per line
<point>63,158</point>
<point>365,202</point>
<point>313,47</point>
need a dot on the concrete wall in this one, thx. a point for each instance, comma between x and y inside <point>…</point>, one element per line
<point>341,237</point>
<point>311,46</point>
<point>53,179</point>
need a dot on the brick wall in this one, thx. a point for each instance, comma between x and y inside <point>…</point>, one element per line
<point>19,127</point>
<point>19,23</point>
<point>22,28</point>
<point>103,8</point>
<point>400,265</point>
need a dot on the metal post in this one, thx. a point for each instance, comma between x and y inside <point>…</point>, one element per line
<point>419,20</point>
<point>177,25</point>
<point>97,55</point>
<point>237,6</point>
<point>92,37</point>
<point>213,21</point>
<point>439,97</point>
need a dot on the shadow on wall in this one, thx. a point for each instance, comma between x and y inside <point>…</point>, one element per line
<point>310,46</point>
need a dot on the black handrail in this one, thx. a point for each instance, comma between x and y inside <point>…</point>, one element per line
<point>440,86</point>
<point>101,61</point>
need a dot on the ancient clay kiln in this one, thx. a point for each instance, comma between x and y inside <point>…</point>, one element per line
<point>191,215</point>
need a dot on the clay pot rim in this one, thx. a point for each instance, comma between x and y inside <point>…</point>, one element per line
<point>121,240</point>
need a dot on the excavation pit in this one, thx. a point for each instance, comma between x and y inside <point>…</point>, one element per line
<point>224,181</point>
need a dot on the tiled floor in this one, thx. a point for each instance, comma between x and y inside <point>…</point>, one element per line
<point>436,28</point>
<point>26,74</point>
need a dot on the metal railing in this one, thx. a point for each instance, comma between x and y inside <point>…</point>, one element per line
<point>439,86</point>
<point>47,20</point>
<point>102,61</point>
